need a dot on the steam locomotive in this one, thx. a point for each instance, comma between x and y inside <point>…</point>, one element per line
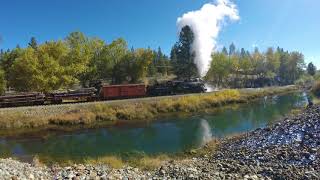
<point>100,92</point>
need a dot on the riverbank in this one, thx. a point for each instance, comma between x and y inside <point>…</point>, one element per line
<point>84,115</point>
<point>289,149</point>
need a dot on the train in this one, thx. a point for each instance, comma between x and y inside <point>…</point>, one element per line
<point>101,92</point>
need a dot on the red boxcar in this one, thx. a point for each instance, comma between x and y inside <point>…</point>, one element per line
<point>123,91</point>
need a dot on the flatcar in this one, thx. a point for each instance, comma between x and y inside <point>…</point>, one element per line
<point>22,99</point>
<point>80,95</point>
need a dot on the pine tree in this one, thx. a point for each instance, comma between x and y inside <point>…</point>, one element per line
<point>311,69</point>
<point>224,51</point>
<point>232,49</point>
<point>33,43</point>
<point>184,65</point>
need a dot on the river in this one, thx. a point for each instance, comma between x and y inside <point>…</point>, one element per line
<point>172,134</point>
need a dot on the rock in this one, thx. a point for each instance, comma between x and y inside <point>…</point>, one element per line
<point>162,172</point>
<point>31,176</point>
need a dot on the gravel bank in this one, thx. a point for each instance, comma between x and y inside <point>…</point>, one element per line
<point>289,149</point>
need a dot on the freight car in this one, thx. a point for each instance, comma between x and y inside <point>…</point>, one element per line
<point>122,91</point>
<point>103,92</point>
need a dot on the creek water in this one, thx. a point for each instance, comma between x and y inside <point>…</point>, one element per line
<point>172,134</point>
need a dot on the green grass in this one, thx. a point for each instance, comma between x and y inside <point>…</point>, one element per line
<point>135,110</point>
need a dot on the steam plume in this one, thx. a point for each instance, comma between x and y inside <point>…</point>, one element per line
<point>206,24</point>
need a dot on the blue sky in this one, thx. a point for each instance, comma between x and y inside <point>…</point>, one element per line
<point>291,24</point>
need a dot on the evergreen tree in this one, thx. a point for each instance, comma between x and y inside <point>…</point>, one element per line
<point>184,65</point>
<point>173,57</point>
<point>160,62</point>
<point>232,49</point>
<point>311,69</point>
<point>243,53</point>
<point>224,51</point>
<point>33,43</point>
<point>1,55</point>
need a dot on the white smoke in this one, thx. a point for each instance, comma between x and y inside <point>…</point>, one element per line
<point>206,24</point>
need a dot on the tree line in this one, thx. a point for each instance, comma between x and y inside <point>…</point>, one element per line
<point>238,68</point>
<point>241,68</point>
<point>77,59</point>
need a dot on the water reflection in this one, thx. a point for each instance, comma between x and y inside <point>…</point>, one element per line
<point>169,135</point>
<point>205,132</point>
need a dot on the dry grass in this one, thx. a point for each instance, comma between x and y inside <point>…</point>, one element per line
<point>143,162</point>
<point>72,118</point>
<point>148,162</point>
<point>112,161</point>
<point>16,121</point>
<point>37,162</point>
<point>207,149</point>
<point>194,103</point>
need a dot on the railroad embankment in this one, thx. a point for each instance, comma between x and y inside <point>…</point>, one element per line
<point>101,113</point>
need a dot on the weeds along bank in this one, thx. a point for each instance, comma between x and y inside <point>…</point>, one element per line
<point>90,114</point>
